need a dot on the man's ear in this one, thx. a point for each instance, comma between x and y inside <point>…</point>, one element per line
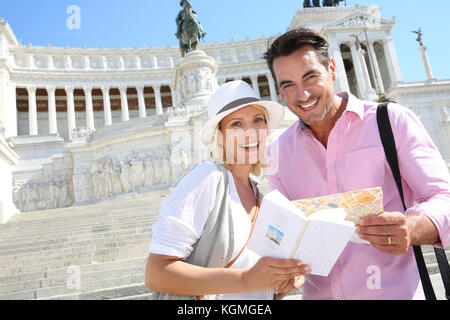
<point>332,69</point>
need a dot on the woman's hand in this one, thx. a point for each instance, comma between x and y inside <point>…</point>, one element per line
<point>273,273</point>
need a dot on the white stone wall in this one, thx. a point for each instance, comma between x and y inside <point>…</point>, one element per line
<point>8,158</point>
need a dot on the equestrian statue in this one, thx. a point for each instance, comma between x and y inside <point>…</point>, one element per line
<point>189,29</point>
<point>325,3</point>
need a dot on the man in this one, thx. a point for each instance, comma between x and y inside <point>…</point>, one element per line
<point>335,147</point>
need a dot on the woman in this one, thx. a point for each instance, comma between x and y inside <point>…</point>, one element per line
<point>199,242</point>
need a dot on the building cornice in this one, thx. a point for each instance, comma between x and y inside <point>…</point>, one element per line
<point>7,31</point>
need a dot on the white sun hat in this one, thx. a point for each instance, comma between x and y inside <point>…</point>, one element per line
<point>233,96</point>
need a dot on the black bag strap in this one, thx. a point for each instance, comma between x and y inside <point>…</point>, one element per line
<point>387,138</point>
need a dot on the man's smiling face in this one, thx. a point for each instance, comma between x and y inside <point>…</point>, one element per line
<point>306,85</point>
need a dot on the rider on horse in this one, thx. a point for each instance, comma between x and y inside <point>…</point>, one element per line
<point>188,15</point>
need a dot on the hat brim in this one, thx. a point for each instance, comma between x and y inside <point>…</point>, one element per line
<point>275,112</point>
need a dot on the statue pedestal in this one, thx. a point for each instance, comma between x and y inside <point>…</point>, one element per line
<point>194,82</point>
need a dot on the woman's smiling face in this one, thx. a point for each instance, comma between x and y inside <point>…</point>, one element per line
<point>244,134</point>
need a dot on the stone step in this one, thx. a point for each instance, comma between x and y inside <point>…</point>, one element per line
<point>145,296</point>
<point>87,246</point>
<point>128,251</point>
<point>84,290</point>
<point>63,279</point>
<point>58,240</point>
<point>107,293</point>
<point>88,223</point>
<point>68,239</point>
<point>135,201</point>
<point>63,272</point>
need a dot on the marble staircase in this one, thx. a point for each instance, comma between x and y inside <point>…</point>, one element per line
<point>90,252</point>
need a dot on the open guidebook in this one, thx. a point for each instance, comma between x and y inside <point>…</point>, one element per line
<point>314,230</point>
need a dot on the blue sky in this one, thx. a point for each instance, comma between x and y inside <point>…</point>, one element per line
<point>143,23</point>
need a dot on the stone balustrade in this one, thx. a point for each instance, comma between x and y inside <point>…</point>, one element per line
<point>98,60</point>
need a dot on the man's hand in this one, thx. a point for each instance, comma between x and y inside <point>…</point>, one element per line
<point>288,286</point>
<point>388,232</point>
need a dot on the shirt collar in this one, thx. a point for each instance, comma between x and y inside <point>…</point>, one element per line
<point>354,106</point>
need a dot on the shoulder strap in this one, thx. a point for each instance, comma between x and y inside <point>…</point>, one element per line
<point>387,139</point>
<point>254,213</point>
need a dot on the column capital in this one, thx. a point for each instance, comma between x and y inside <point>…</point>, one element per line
<point>139,87</point>
<point>105,88</point>
<point>51,88</point>
<point>31,89</point>
<point>69,89</point>
<point>87,89</point>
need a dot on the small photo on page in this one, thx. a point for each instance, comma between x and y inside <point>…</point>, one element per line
<point>274,234</point>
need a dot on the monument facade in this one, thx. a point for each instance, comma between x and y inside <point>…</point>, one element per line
<point>84,125</point>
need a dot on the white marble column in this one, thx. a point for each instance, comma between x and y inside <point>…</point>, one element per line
<point>50,62</point>
<point>141,101</point>
<point>106,105</point>
<point>138,62</point>
<point>68,62</point>
<point>89,107</point>
<point>174,94</point>
<point>71,121</point>
<point>358,70</point>
<point>272,89</point>
<point>370,94</point>
<point>124,103</point>
<point>255,85</point>
<point>104,62</point>
<point>392,61</point>
<point>86,64</point>
<point>426,63</point>
<point>31,63</point>
<point>362,74</point>
<point>377,75</point>
<point>342,81</point>
<point>32,111</point>
<point>121,63</point>
<point>158,101</point>
<point>52,124</point>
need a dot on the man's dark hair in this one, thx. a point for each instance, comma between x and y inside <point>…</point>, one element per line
<point>294,40</point>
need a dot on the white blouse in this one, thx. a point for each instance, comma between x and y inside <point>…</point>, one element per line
<point>183,216</point>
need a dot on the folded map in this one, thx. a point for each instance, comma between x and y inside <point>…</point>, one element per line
<point>357,204</point>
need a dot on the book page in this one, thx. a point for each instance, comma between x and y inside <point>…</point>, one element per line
<point>322,244</point>
<point>277,227</point>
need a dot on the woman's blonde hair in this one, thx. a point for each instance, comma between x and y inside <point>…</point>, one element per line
<point>216,149</point>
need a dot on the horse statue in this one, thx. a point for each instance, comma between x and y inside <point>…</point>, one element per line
<point>325,3</point>
<point>189,29</point>
<point>331,3</point>
<point>307,3</point>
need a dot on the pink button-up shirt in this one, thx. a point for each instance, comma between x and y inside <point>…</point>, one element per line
<point>301,168</point>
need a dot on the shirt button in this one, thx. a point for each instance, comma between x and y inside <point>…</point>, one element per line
<point>338,296</point>
<point>330,164</point>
